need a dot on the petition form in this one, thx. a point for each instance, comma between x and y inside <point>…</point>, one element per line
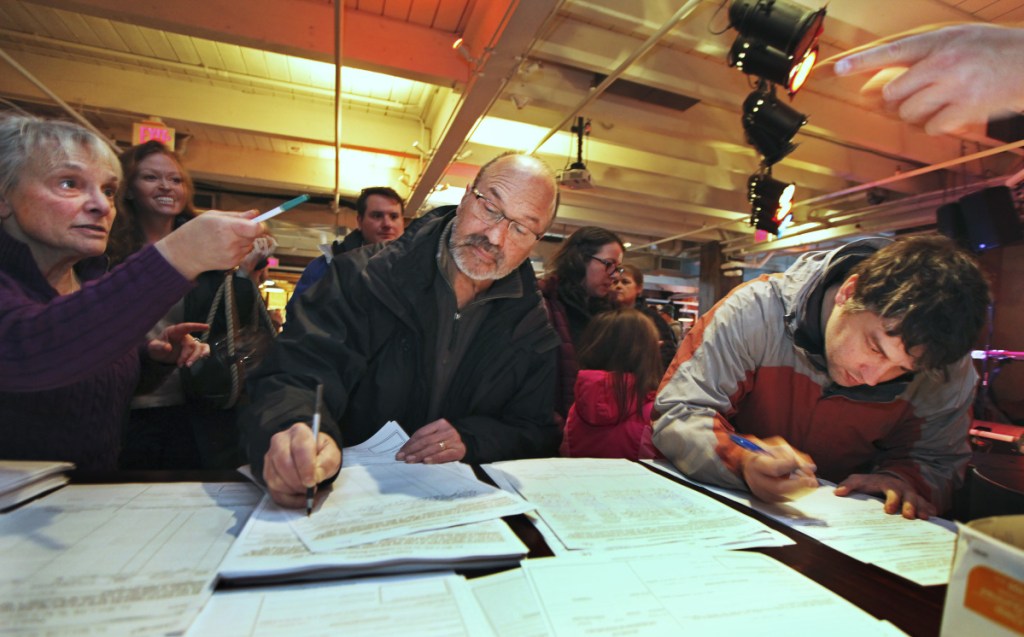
<point>919,550</point>
<point>269,550</point>
<point>375,502</point>
<point>606,503</point>
<point>678,590</point>
<point>126,559</point>
<point>427,606</point>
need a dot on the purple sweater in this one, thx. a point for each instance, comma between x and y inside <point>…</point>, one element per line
<point>69,364</point>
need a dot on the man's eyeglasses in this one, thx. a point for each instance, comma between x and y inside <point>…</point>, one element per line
<point>610,267</point>
<point>488,213</point>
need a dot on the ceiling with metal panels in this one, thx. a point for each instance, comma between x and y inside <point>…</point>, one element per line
<point>250,90</point>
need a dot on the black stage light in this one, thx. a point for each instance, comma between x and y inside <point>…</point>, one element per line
<point>771,203</point>
<point>770,125</point>
<point>778,40</point>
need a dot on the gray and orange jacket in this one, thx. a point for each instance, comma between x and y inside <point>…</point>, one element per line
<point>755,364</point>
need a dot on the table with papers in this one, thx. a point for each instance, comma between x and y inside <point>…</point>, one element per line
<point>696,563</point>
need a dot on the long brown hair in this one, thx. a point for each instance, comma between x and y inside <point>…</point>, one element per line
<point>623,341</point>
<point>126,235</point>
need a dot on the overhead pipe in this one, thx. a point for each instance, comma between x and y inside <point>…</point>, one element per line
<point>339,16</point>
<point>53,96</point>
<point>676,18</point>
<point>190,69</point>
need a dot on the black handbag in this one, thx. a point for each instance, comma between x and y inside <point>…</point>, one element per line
<point>218,380</point>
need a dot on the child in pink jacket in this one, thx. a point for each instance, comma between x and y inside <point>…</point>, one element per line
<point>620,368</point>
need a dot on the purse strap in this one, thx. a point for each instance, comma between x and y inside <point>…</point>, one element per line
<point>225,297</point>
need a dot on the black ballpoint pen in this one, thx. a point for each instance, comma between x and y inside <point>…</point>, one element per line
<point>311,491</point>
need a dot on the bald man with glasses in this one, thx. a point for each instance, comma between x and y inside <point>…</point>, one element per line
<point>442,330</point>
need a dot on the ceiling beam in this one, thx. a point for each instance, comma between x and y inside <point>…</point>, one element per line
<point>296,27</point>
<point>498,35</point>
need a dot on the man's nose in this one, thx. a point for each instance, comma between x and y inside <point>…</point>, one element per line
<point>496,234</point>
<point>874,374</point>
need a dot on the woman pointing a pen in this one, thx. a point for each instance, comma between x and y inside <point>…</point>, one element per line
<point>72,334</point>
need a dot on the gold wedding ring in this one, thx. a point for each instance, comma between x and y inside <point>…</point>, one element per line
<point>442,445</point>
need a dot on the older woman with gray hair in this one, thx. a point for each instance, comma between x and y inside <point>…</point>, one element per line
<point>72,334</point>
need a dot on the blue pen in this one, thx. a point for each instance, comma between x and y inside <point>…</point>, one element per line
<point>756,448</point>
<point>748,445</point>
<point>285,207</point>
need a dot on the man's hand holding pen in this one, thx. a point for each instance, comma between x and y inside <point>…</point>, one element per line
<point>295,462</point>
<point>774,471</point>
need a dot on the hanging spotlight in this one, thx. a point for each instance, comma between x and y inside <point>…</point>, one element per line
<point>778,40</point>
<point>771,203</point>
<point>770,124</point>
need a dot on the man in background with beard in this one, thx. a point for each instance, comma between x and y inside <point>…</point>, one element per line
<point>441,330</point>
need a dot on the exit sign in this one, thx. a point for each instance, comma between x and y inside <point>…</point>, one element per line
<point>142,132</point>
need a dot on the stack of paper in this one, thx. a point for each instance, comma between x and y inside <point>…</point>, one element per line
<point>665,590</point>
<point>381,516</point>
<point>607,504</point>
<point>21,480</point>
<point>125,559</point>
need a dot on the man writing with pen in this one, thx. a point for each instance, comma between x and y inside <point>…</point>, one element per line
<point>441,330</point>
<point>852,365</point>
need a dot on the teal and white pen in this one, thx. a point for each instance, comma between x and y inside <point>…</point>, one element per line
<point>285,207</point>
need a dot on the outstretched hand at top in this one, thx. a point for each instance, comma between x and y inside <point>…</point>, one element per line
<point>946,78</point>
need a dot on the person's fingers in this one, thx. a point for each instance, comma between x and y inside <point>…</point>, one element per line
<point>443,445</point>
<point>873,90</point>
<point>450,450</point>
<point>280,471</point>
<point>198,351</point>
<point>875,56</point>
<point>793,488</point>
<point>953,120</point>
<point>303,454</point>
<point>893,501</point>
<point>288,499</point>
<point>328,458</point>
<point>908,510</point>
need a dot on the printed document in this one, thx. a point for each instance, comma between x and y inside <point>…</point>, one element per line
<point>919,550</point>
<point>268,550</point>
<point>680,590</point>
<point>373,502</point>
<point>126,559</point>
<point>425,606</point>
<point>610,503</point>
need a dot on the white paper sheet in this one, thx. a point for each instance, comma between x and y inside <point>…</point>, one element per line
<point>685,591</point>
<point>269,549</point>
<point>369,503</point>
<point>127,559</point>
<point>379,449</point>
<point>919,550</point>
<point>603,504</point>
<point>426,606</point>
<point>510,605</point>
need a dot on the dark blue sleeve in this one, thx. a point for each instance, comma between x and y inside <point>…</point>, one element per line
<point>313,273</point>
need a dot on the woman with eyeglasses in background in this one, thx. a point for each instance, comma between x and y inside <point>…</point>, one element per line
<point>627,284</point>
<point>575,288</point>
